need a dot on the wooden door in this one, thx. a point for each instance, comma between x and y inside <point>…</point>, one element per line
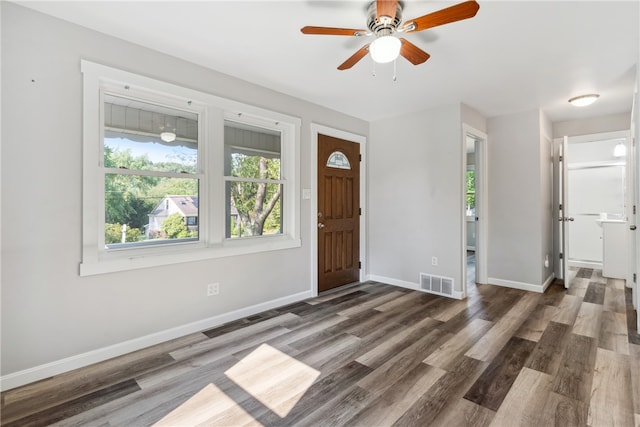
<point>338,212</point>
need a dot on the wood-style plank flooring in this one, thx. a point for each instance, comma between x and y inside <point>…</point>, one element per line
<point>374,355</point>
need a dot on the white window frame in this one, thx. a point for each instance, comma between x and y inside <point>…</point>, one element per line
<point>284,156</point>
<point>212,112</point>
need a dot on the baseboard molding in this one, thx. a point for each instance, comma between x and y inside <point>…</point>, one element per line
<point>585,264</point>
<point>57,367</point>
<point>519,285</point>
<point>408,285</point>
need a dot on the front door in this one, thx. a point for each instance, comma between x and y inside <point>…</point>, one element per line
<point>338,212</point>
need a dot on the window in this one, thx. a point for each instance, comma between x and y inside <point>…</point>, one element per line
<point>471,192</point>
<point>172,174</point>
<point>254,184</point>
<point>150,166</point>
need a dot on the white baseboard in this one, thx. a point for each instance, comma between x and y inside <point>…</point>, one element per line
<point>585,264</point>
<point>408,285</point>
<point>521,285</point>
<point>57,367</point>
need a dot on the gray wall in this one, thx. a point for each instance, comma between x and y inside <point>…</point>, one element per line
<point>519,181</point>
<point>49,312</point>
<point>415,195</point>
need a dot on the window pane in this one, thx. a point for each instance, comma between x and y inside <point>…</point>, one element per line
<point>153,209</point>
<point>253,209</point>
<point>251,152</point>
<point>471,192</point>
<point>143,136</point>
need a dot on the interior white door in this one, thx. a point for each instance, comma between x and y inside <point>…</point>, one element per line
<point>564,210</point>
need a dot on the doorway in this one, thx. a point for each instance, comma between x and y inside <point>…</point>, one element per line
<point>474,216</point>
<point>338,212</point>
<point>594,200</point>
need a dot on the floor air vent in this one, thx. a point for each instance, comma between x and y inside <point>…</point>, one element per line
<point>436,284</point>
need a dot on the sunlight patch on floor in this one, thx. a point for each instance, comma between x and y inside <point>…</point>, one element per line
<point>274,378</point>
<point>211,406</point>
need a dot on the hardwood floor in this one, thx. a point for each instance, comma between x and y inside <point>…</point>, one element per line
<point>374,355</point>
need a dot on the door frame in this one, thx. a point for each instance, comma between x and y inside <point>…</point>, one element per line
<point>482,199</point>
<point>317,129</point>
<point>564,144</point>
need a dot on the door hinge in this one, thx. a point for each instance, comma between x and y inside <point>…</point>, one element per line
<point>634,209</point>
<point>359,264</point>
<point>561,256</point>
<point>359,211</point>
<point>359,157</point>
<point>560,206</point>
<point>634,277</point>
<point>560,158</point>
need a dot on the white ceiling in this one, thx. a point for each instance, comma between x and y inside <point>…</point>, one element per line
<point>513,56</point>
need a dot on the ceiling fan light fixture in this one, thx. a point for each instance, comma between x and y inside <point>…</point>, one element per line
<point>168,136</point>
<point>385,49</point>
<point>584,100</point>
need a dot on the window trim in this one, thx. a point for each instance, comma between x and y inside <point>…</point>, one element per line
<point>213,111</point>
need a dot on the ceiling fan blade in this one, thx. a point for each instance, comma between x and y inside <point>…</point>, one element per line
<point>329,31</point>
<point>353,59</point>
<point>386,8</point>
<point>458,12</point>
<point>413,53</point>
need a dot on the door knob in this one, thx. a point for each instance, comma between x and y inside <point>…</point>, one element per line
<point>570,218</point>
<point>632,227</point>
<point>320,225</point>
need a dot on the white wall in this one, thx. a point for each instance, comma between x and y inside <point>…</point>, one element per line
<point>519,181</point>
<point>49,312</point>
<point>415,197</point>
<point>591,125</point>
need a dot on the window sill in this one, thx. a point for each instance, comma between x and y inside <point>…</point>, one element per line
<point>111,263</point>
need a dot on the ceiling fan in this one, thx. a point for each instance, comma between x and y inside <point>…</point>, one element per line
<point>384,19</point>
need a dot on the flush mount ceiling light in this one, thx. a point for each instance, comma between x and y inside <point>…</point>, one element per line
<point>385,49</point>
<point>168,136</point>
<point>584,100</point>
<point>620,150</point>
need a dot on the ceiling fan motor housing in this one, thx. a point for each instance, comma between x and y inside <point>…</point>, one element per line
<point>382,28</point>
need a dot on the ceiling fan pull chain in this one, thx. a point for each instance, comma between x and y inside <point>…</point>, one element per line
<point>394,70</point>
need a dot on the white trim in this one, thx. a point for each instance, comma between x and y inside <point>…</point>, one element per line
<point>317,129</point>
<point>522,285</point>
<point>481,227</point>
<point>410,285</point>
<point>584,264</point>
<point>57,367</point>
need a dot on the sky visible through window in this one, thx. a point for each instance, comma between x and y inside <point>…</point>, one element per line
<point>156,152</point>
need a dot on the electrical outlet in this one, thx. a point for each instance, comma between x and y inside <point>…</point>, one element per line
<point>213,289</point>
<point>434,260</point>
